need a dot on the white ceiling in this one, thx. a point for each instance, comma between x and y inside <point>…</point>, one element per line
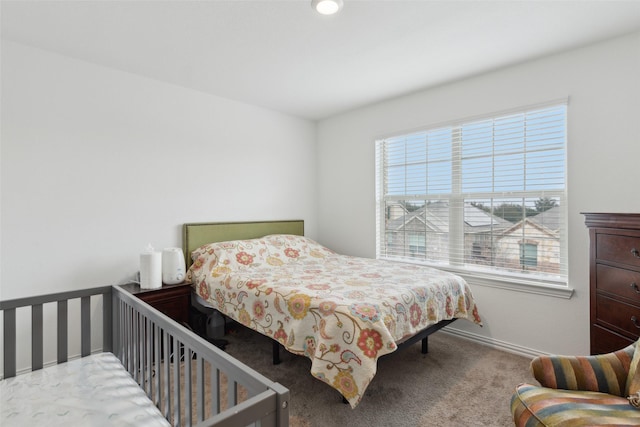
<point>284,56</point>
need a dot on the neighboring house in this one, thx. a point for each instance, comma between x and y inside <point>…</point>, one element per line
<point>424,233</point>
<point>532,244</point>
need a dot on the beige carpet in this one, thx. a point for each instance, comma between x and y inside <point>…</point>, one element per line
<point>459,383</point>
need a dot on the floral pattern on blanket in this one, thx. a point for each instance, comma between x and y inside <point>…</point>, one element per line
<point>341,312</point>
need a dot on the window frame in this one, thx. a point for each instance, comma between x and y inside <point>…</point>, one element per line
<point>553,286</point>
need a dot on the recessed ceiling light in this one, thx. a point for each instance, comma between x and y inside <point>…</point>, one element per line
<point>327,7</point>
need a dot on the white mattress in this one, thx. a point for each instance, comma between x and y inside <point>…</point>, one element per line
<point>91,391</point>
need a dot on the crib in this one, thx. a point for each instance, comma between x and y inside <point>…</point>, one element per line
<point>184,379</point>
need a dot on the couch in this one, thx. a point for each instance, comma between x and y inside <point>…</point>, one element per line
<point>581,391</point>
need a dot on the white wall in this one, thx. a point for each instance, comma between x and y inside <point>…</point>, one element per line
<point>603,85</point>
<point>96,163</point>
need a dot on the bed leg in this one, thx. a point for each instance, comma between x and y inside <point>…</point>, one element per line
<point>276,352</point>
<point>425,345</point>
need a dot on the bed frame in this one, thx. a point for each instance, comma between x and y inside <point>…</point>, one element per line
<point>137,333</point>
<point>195,235</point>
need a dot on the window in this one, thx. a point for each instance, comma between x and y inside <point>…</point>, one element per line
<point>479,196</point>
<point>528,255</point>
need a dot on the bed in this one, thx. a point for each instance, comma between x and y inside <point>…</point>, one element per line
<point>134,366</point>
<point>341,312</point>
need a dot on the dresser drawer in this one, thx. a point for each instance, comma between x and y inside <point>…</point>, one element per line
<point>603,340</point>
<point>619,249</point>
<point>618,281</point>
<point>618,316</point>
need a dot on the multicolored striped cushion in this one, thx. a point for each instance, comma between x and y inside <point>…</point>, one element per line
<point>606,373</point>
<point>534,406</point>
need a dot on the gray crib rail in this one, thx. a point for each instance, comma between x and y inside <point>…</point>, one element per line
<point>156,351</point>
<point>61,299</point>
<point>145,340</point>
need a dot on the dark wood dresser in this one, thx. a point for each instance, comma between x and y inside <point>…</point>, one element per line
<point>614,276</point>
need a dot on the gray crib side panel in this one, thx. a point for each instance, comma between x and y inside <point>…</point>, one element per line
<point>35,305</point>
<point>173,346</point>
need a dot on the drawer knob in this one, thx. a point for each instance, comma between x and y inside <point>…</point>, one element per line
<point>634,320</point>
<point>634,286</point>
<point>635,253</point>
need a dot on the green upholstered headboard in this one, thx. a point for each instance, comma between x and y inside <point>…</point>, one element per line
<point>195,235</point>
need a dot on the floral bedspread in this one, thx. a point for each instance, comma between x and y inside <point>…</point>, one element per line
<point>341,312</point>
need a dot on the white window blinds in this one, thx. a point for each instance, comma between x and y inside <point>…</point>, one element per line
<point>481,195</point>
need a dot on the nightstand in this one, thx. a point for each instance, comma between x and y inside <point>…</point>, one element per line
<point>172,300</point>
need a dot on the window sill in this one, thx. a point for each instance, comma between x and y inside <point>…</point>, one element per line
<point>538,287</point>
<point>518,285</point>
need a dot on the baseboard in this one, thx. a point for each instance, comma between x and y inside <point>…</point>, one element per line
<point>494,343</point>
